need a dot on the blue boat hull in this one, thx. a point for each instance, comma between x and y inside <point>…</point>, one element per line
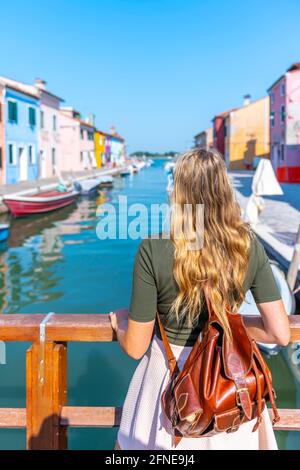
<point>4,232</point>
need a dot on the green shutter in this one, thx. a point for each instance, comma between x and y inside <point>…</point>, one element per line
<point>31,116</point>
<point>10,154</point>
<point>12,111</point>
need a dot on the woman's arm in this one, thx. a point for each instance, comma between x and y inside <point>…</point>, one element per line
<point>272,326</point>
<point>134,337</point>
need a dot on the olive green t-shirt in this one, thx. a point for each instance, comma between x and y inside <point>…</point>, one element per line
<point>154,287</point>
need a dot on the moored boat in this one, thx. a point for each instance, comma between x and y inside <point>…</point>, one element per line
<point>169,167</point>
<point>106,181</point>
<point>4,232</point>
<point>44,201</point>
<point>138,164</point>
<point>125,172</point>
<point>129,170</point>
<point>87,186</point>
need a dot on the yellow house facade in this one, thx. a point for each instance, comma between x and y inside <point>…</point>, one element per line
<point>247,134</point>
<point>99,139</point>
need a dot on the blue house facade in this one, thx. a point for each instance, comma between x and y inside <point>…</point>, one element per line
<point>21,122</point>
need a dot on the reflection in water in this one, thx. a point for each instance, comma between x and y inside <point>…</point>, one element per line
<point>56,263</point>
<point>35,246</point>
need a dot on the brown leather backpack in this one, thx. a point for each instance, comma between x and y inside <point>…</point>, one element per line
<point>222,384</point>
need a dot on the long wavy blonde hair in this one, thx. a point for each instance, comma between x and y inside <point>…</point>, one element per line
<point>217,270</point>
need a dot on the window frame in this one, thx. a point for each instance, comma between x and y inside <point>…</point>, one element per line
<point>15,103</point>
<point>42,119</point>
<point>282,114</point>
<point>272,119</point>
<point>14,154</point>
<point>31,155</point>
<point>53,154</point>
<point>30,107</point>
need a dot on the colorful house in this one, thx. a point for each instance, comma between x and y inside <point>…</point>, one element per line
<point>204,139</point>
<point>77,141</point>
<point>117,148</point>
<point>285,125</point>
<point>2,160</point>
<point>49,133</point>
<point>107,149</point>
<point>99,137</point>
<point>20,144</point>
<point>247,134</point>
<point>220,131</point>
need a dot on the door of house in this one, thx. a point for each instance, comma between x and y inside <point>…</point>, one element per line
<point>23,164</point>
<point>275,157</point>
<point>43,164</point>
<point>85,159</point>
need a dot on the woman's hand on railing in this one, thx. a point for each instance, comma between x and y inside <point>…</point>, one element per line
<point>134,337</point>
<point>119,319</point>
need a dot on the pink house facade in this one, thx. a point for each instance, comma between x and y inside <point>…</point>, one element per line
<point>285,125</point>
<point>77,142</point>
<point>2,141</point>
<point>49,138</point>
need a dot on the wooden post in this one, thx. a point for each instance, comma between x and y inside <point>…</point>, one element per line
<point>46,394</point>
<point>293,268</point>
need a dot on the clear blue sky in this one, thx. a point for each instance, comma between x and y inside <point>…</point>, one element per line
<point>157,69</point>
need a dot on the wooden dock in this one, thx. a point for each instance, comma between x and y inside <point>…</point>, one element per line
<point>47,415</point>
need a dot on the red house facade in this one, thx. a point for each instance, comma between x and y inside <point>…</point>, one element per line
<point>220,131</point>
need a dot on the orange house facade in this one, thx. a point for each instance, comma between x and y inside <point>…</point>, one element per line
<point>247,134</point>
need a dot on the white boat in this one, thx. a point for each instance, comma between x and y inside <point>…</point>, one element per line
<point>128,170</point>
<point>149,162</point>
<point>106,181</point>
<point>125,172</point>
<point>138,164</point>
<point>249,307</point>
<point>170,185</point>
<point>133,168</point>
<point>87,186</point>
<point>169,167</point>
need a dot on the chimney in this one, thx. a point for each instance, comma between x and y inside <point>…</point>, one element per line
<point>41,84</point>
<point>90,119</point>
<point>247,100</point>
<point>112,130</point>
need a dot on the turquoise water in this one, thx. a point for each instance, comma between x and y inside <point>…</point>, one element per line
<point>57,263</point>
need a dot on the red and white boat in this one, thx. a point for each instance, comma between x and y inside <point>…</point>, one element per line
<point>38,203</point>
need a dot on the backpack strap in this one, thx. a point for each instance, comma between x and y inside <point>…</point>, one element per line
<point>170,356</point>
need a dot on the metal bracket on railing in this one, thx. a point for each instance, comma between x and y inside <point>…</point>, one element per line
<point>42,346</point>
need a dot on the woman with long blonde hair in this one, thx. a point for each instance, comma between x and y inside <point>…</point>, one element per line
<point>212,255</point>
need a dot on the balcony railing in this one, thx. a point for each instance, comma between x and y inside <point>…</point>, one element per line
<point>47,415</point>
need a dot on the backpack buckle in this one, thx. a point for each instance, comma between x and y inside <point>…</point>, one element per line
<point>238,401</point>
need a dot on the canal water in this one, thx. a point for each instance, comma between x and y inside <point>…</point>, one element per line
<point>56,263</point>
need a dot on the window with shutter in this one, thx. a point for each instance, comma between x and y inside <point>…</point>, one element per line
<point>31,116</point>
<point>12,111</point>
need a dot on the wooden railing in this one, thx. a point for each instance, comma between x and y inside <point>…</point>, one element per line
<point>47,415</point>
